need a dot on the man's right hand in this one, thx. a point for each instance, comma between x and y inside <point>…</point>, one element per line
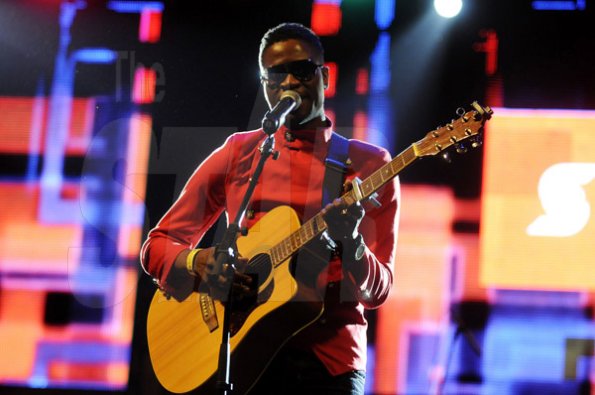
<point>218,284</point>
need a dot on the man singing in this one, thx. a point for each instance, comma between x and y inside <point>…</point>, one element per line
<point>327,356</point>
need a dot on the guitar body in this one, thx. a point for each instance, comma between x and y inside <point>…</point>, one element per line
<point>184,350</point>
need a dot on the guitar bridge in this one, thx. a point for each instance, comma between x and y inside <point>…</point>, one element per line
<point>207,309</point>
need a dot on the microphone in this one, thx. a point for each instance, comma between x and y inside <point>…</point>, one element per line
<point>289,101</point>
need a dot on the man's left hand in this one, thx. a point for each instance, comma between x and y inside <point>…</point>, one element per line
<point>342,219</point>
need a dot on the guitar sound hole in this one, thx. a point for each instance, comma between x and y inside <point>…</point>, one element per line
<point>260,269</point>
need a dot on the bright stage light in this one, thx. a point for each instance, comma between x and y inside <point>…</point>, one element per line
<point>448,8</point>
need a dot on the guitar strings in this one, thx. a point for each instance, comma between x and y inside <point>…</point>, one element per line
<point>260,261</point>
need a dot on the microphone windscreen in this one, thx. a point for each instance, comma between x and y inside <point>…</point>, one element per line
<point>293,95</point>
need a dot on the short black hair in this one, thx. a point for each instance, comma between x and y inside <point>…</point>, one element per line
<point>287,31</point>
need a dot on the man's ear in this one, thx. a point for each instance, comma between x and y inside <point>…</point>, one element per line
<point>324,70</point>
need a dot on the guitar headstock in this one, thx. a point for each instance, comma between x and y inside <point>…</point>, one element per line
<point>466,129</point>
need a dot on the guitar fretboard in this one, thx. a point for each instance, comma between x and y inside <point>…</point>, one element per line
<point>316,225</point>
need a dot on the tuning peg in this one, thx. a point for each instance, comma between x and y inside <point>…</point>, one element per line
<point>446,157</point>
<point>461,148</point>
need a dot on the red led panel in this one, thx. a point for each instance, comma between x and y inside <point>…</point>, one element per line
<point>326,19</point>
<point>360,125</point>
<point>144,85</point>
<point>490,47</point>
<point>362,81</point>
<point>149,30</point>
<point>23,117</point>
<point>537,221</point>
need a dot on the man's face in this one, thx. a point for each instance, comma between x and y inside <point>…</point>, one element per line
<point>295,65</point>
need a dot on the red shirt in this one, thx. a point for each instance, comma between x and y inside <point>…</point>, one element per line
<point>295,179</point>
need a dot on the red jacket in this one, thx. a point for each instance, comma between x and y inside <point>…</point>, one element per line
<point>294,179</point>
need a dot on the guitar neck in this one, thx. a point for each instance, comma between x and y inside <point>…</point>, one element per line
<point>316,225</point>
<point>466,128</point>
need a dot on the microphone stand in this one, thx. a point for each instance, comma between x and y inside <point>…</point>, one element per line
<point>226,252</point>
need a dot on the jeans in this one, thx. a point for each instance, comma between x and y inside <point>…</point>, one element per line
<point>298,372</point>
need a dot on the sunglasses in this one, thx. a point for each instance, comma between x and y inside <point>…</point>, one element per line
<point>302,70</point>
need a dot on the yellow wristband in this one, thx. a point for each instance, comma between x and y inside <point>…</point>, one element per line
<point>190,262</point>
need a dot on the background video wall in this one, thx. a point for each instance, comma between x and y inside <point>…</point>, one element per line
<point>106,107</point>
<point>74,149</point>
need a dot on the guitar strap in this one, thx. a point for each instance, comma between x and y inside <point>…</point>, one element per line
<point>336,164</point>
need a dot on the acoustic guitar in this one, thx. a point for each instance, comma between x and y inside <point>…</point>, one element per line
<point>184,337</point>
